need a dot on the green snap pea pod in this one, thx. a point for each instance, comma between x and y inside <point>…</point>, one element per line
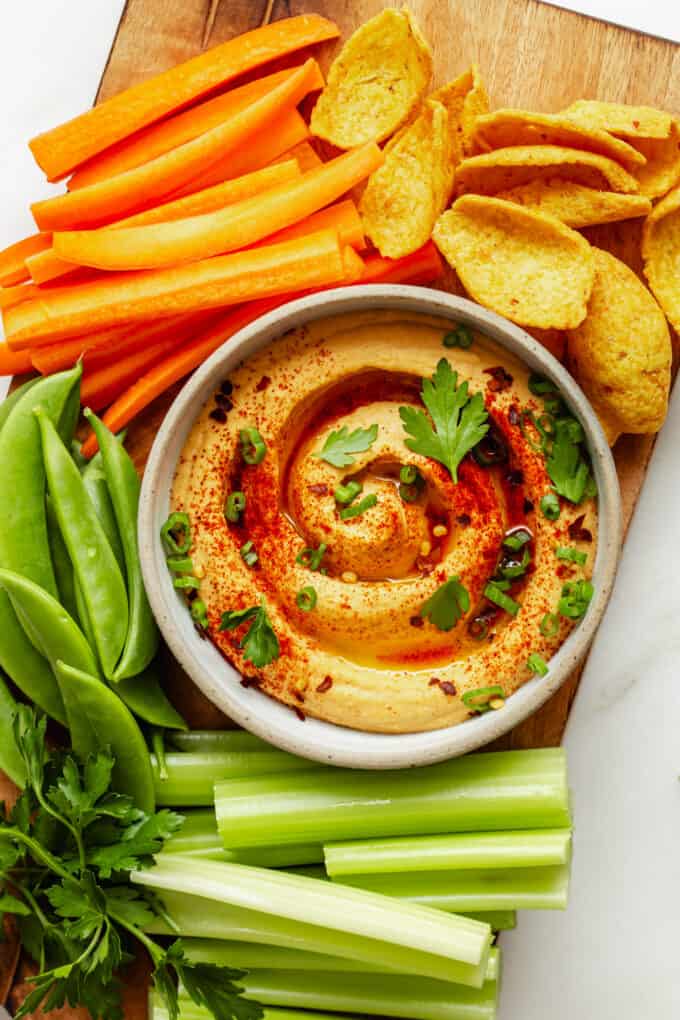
<point>24,547</point>
<point>14,398</point>
<point>83,616</point>
<point>98,491</point>
<point>11,761</point>
<point>58,634</point>
<point>27,668</point>
<point>97,718</point>
<point>97,574</point>
<point>69,416</point>
<point>145,697</point>
<point>123,482</point>
<point>61,563</point>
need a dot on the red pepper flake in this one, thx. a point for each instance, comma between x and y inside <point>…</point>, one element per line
<point>417,621</point>
<point>636,124</point>
<point>318,489</point>
<point>577,533</point>
<point>448,688</point>
<point>223,401</point>
<point>299,695</point>
<point>528,506</point>
<point>433,681</point>
<point>263,384</point>
<point>325,685</point>
<point>464,520</point>
<point>515,477</point>
<point>500,379</point>
<point>227,388</point>
<point>250,681</point>
<point>218,415</point>
<point>299,713</point>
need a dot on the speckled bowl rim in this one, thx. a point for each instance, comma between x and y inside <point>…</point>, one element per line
<point>326,742</point>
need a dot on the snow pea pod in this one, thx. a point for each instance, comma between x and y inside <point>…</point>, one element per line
<point>11,761</point>
<point>97,574</point>
<point>58,634</point>
<point>26,667</point>
<point>97,718</point>
<point>94,480</point>
<point>14,397</point>
<point>146,698</point>
<point>123,482</point>
<point>61,563</point>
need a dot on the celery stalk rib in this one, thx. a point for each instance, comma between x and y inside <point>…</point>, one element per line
<point>464,943</point>
<point>192,775</point>
<point>208,741</point>
<point>458,851</point>
<point>199,837</point>
<point>480,792</point>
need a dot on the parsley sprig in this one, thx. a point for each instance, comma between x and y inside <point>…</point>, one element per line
<point>459,421</point>
<point>260,643</point>
<point>341,445</point>
<point>66,849</point>
<point>447,605</point>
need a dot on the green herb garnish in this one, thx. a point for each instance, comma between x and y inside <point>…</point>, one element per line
<point>248,553</point>
<point>411,483</point>
<point>495,592</point>
<point>253,446</point>
<point>461,337</point>
<point>539,385</point>
<point>311,558</point>
<point>549,625</point>
<point>356,509</point>
<point>478,700</point>
<point>516,539</point>
<point>447,605</point>
<point>260,643</point>
<point>340,446</point>
<point>550,506</point>
<point>234,506</point>
<point>199,613</point>
<point>459,421</point>
<point>537,664</point>
<point>515,568</point>
<point>569,472</point>
<point>176,533</point>
<point>576,596</point>
<point>346,494</point>
<point>306,598</point>
<point>567,552</point>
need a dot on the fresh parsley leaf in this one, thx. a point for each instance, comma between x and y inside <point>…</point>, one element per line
<point>210,986</point>
<point>340,446</point>
<point>260,643</point>
<point>447,605</point>
<point>566,466</point>
<point>460,421</point>
<point>136,845</point>
<point>11,905</point>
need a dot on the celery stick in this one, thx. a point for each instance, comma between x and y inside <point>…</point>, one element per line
<point>459,851</point>
<point>191,776</point>
<point>199,837</point>
<point>500,920</point>
<point>208,741</point>
<point>251,956</point>
<point>188,1010</point>
<point>463,943</point>
<point>495,791</point>
<point>394,995</point>
<point>512,889</point>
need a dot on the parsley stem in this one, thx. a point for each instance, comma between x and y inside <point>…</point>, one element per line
<point>37,789</point>
<point>154,950</point>
<point>32,902</point>
<point>38,851</point>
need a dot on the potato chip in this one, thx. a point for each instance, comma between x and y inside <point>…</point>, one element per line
<point>621,353</point>
<point>508,168</point>
<point>576,205</point>
<point>662,170</point>
<point>465,98</point>
<point>504,128</point>
<point>661,254</point>
<point>524,265</point>
<point>619,119</point>
<point>379,77</point>
<point>412,188</point>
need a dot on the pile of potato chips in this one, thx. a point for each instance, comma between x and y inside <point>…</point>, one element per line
<point>523,185</point>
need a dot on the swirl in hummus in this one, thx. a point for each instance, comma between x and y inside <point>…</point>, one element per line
<point>363,647</point>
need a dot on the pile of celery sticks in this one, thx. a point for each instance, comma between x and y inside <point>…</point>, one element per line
<point>373,893</point>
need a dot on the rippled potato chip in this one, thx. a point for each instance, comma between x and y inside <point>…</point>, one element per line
<point>619,119</point>
<point>576,205</point>
<point>661,254</point>
<point>504,128</point>
<point>662,170</point>
<point>621,353</point>
<point>522,264</point>
<point>508,168</point>
<point>466,99</point>
<point>411,189</point>
<point>377,80</point>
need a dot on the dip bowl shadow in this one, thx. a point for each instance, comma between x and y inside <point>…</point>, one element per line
<point>321,741</point>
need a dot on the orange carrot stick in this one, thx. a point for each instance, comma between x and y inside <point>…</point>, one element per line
<point>159,138</point>
<point>291,129</point>
<point>56,357</point>
<point>65,147</point>
<point>118,298</point>
<point>422,266</point>
<point>101,386</point>
<point>14,362</point>
<point>241,224</point>
<point>145,185</point>
<point>47,265</point>
<point>15,295</point>
<point>343,217</point>
<point>12,267</point>
<point>306,157</point>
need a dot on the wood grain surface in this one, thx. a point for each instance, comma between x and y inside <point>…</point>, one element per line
<point>531,56</point>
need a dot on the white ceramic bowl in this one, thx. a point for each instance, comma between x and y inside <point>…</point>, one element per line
<point>255,711</point>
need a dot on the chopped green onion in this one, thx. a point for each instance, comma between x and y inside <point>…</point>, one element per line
<point>199,613</point>
<point>538,385</point>
<point>554,406</point>
<point>537,664</point>
<point>528,416</point>
<point>461,337</point>
<point>253,448</point>
<point>515,568</point>
<point>186,583</point>
<point>345,494</point>
<point>311,558</point>
<point>550,506</point>
<point>549,625</point>
<point>306,599</point>
<point>516,539</point>
<point>359,508</point>
<point>248,553</point>
<point>494,593</point>
<point>180,564</point>
<point>576,596</point>
<point>176,533</point>
<point>471,699</point>
<point>567,552</point>
<point>408,474</point>
<point>234,506</point>
<point>478,629</point>
<point>411,483</point>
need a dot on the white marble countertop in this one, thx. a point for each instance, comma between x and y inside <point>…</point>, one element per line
<point>613,955</point>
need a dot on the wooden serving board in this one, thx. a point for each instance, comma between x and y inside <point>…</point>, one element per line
<point>531,56</point>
